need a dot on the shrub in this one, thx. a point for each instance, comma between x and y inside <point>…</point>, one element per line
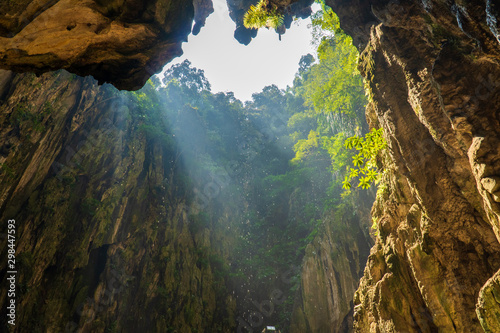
<point>263,15</point>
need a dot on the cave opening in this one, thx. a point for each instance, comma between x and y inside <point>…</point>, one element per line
<point>231,193</point>
<point>348,192</point>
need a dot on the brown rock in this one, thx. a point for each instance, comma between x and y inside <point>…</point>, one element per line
<point>331,269</point>
<point>488,306</point>
<point>436,94</point>
<point>491,184</point>
<point>122,42</point>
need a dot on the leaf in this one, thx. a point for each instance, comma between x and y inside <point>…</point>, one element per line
<point>357,160</point>
<point>354,173</point>
<point>346,184</point>
<point>364,183</point>
<point>371,175</point>
<point>349,143</point>
<point>358,142</point>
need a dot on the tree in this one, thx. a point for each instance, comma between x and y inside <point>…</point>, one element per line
<point>333,89</point>
<point>187,76</point>
<point>305,63</point>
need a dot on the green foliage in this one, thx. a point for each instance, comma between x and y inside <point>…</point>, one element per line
<point>4,168</point>
<point>332,88</point>
<point>305,148</point>
<point>155,133</point>
<point>365,167</point>
<point>89,206</point>
<point>306,61</point>
<point>325,25</point>
<point>264,14</point>
<point>23,115</point>
<point>333,92</point>
<point>187,76</point>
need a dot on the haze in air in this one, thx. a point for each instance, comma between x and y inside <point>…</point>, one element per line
<point>220,215</point>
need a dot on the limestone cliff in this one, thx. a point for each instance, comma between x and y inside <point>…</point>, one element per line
<point>432,69</point>
<point>330,273</point>
<point>104,241</point>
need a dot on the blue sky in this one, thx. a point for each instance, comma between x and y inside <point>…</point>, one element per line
<point>230,66</point>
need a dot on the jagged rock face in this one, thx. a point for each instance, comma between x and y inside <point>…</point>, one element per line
<point>432,69</point>
<point>487,309</point>
<point>123,42</point>
<point>103,238</point>
<point>331,269</point>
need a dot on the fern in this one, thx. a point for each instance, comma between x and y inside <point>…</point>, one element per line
<point>261,15</point>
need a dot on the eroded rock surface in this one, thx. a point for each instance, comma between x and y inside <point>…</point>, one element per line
<point>432,69</point>
<point>330,273</point>
<point>119,41</point>
<point>103,238</point>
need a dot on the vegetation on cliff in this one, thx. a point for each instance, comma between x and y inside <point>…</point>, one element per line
<point>263,14</point>
<point>200,204</point>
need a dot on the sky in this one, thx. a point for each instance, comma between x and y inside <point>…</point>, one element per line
<point>231,66</point>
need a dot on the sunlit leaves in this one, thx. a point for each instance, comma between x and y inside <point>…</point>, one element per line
<point>325,24</point>
<point>364,183</point>
<point>333,88</point>
<point>353,173</point>
<point>357,160</point>
<point>301,123</point>
<point>305,62</point>
<point>371,175</point>
<point>353,142</point>
<point>333,93</point>
<point>306,147</point>
<point>368,148</point>
<point>262,15</point>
